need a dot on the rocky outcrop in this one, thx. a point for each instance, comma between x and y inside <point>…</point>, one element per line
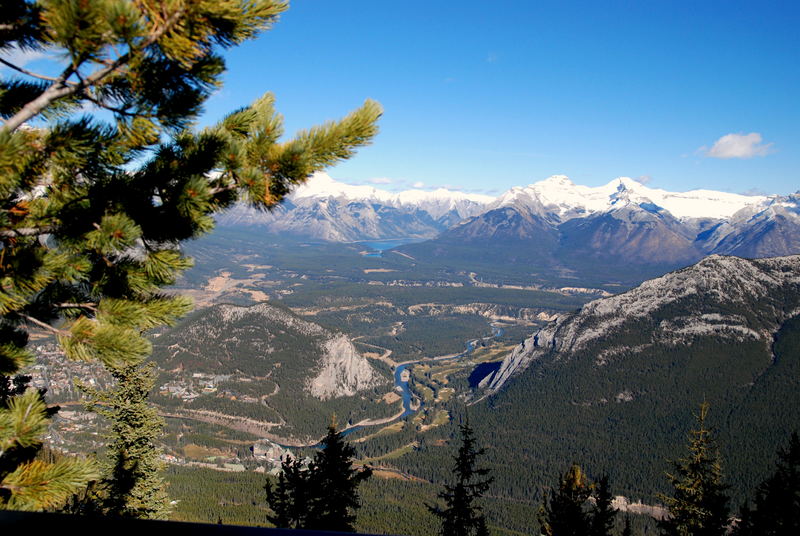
<point>492,311</point>
<point>342,371</point>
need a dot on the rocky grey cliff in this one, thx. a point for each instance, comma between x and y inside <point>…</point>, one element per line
<point>341,371</point>
<point>725,297</point>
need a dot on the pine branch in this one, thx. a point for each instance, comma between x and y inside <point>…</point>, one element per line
<point>61,87</point>
<point>46,326</point>
<point>114,109</point>
<point>26,231</point>
<point>30,73</point>
<point>90,306</point>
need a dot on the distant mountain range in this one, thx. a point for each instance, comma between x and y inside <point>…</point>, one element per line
<point>626,222</point>
<point>329,210</point>
<point>622,231</point>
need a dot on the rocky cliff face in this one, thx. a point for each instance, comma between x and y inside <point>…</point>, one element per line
<point>727,298</point>
<point>342,371</point>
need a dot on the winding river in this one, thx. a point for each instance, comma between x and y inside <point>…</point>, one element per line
<point>405,390</point>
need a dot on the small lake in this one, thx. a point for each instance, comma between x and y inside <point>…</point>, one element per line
<point>377,247</point>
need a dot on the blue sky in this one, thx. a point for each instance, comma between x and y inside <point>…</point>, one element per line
<point>483,96</point>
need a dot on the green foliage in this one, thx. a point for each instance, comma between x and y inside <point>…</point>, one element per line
<point>132,486</point>
<point>335,483</point>
<point>699,504</point>
<point>627,530</point>
<point>26,482</point>
<point>777,498</point>
<point>565,512</point>
<point>463,514</point>
<point>291,496</point>
<point>603,513</point>
<point>92,212</point>
<point>323,496</point>
<point>578,507</point>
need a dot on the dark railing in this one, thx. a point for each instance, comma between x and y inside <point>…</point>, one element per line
<point>46,524</point>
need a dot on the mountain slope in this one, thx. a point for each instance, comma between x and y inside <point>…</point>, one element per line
<point>620,232</point>
<point>267,363</point>
<point>614,385</point>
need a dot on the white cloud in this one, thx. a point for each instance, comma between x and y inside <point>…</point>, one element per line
<point>418,184</point>
<point>643,179</point>
<point>738,146</point>
<point>380,180</point>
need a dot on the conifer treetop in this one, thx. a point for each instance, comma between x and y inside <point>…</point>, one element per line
<point>699,503</point>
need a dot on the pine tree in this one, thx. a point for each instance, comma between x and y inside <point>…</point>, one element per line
<point>565,512</point>
<point>627,530</point>
<point>578,507</point>
<point>133,486</point>
<point>463,515</point>
<point>699,504</point>
<point>603,513</point>
<point>334,485</point>
<point>777,500</point>
<point>93,207</point>
<point>290,498</point>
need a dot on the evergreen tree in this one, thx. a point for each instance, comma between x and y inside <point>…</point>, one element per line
<point>133,486</point>
<point>699,504</point>
<point>334,485</point>
<point>290,498</point>
<point>627,530</point>
<point>462,515</point>
<point>603,513</point>
<point>777,501</point>
<point>565,513</point>
<point>93,207</point>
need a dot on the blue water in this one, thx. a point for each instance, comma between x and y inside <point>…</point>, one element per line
<point>377,247</point>
<point>406,392</point>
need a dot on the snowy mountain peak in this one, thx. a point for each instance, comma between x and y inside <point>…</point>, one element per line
<point>321,185</point>
<point>556,181</point>
<point>569,200</point>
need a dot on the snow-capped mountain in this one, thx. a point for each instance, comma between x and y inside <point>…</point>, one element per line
<point>331,210</point>
<point>625,222</point>
<point>565,200</point>
<point>622,221</point>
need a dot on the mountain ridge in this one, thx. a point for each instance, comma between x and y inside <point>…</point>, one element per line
<point>714,282</point>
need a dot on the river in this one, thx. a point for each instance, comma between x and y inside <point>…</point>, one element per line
<point>405,390</point>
